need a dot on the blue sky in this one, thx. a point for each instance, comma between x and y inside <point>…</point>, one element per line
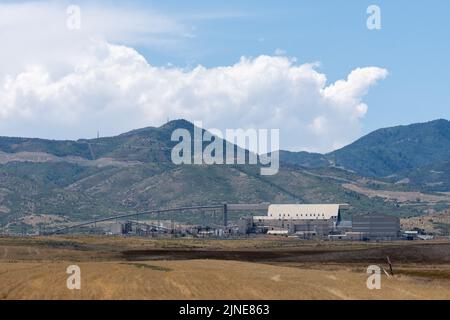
<point>413,44</point>
<point>133,64</point>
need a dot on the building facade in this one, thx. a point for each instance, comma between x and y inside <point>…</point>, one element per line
<point>310,219</point>
<point>376,227</point>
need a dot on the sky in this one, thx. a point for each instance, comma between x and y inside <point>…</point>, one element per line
<point>312,69</point>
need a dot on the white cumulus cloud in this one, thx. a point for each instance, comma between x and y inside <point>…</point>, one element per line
<point>112,87</point>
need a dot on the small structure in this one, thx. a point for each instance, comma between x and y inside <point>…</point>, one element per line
<point>116,228</point>
<point>334,237</point>
<point>425,237</point>
<point>306,235</point>
<point>344,226</point>
<point>278,232</point>
<point>410,235</point>
<point>245,225</point>
<point>377,226</point>
<point>219,233</point>
<point>121,228</point>
<point>206,233</point>
<point>354,236</point>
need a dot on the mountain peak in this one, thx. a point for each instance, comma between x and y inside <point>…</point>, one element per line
<point>444,121</point>
<point>168,126</point>
<point>177,124</point>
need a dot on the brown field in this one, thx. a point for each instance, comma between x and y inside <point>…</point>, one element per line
<point>133,268</point>
<point>399,196</point>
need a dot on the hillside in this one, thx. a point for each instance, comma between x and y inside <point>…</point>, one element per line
<point>415,156</point>
<point>396,150</point>
<point>132,172</point>
<point>304,159</point>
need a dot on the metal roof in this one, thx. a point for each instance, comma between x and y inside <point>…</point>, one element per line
<point>304,211</point>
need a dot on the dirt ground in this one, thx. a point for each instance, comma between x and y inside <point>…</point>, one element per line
<point>437,223</point>
<point>399,196</point>
<point>132,268</point>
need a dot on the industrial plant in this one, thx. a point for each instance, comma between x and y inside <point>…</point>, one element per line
<point>302,221</point>
<point>324,221</point>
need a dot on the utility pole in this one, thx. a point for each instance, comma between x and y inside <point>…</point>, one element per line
<point>172,226</point>
<point>448,224</point>
<point>203,218</point>
<point>225,215</point>
<point>158,229</point>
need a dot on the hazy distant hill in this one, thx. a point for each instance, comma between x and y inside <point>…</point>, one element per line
<point>396,150</point>
<point>416,154</point>
<point>133,172</point>
<point>304,159</point>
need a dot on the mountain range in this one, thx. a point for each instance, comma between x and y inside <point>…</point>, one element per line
<point>417,154</point>
<point>401,170</point>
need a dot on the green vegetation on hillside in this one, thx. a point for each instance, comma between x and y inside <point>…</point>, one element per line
<point>133,172</point>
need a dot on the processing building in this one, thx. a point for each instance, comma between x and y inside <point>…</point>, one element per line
<point>376,227</point>
<point>301,219</point>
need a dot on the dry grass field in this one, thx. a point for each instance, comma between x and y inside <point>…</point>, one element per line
<point>132,268</point>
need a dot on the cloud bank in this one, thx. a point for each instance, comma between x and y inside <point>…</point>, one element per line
<point>90,83</point>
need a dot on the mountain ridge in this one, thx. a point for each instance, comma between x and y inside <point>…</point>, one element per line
<point>133,172</point>
<point>423,139</point>
<point>400,152</point>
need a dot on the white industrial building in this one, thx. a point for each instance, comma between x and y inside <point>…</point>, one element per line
<point>303,212</point>
<point>317,219</point>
